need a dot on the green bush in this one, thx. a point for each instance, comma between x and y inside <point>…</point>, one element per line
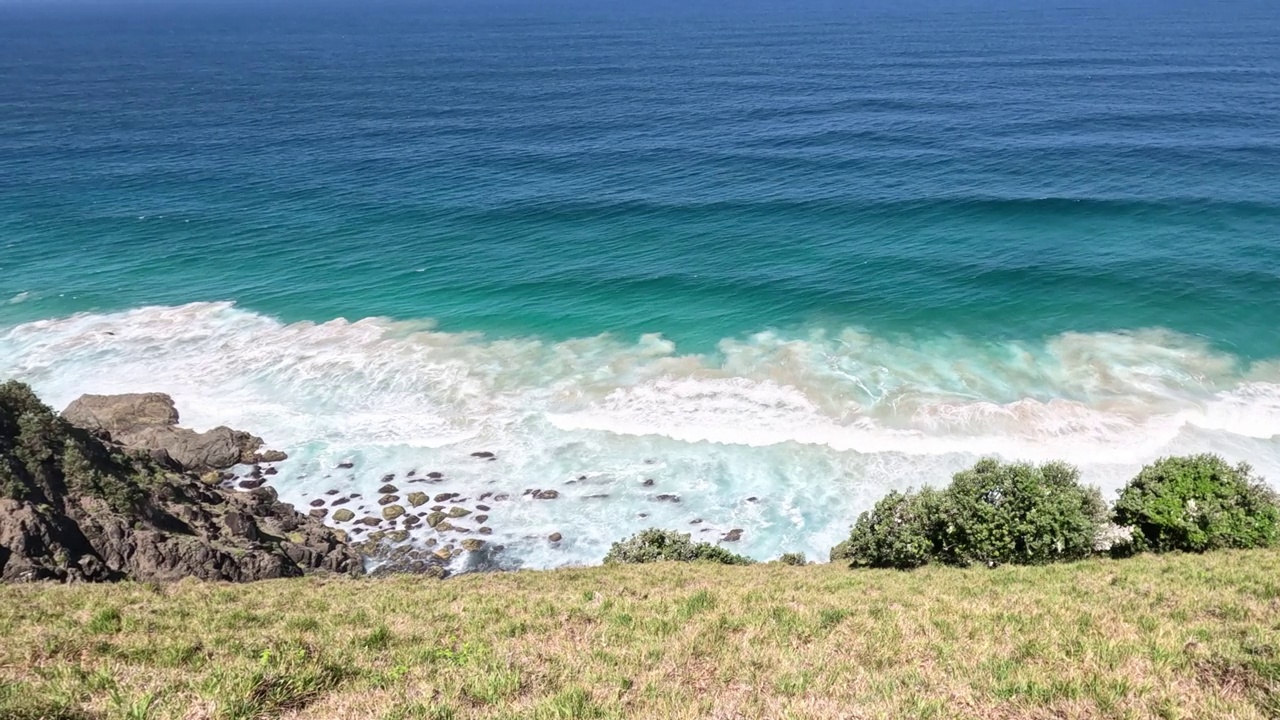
<point>43,456</point>
<point>991,514</point>
<point>902,531</point>
<point>1198,503</point>
<point>1020,514</point>
<point>655,545</point>
<point>794,558</point>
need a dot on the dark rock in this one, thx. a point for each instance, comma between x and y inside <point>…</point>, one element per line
<point>391,512</point>
<point>472,544</point>
<point>356,495</point>
<point>317,503</point>
<point>411,520</point>
<point>485,531</point>
<point>457,512</point>
<point>251,484</point>
<point>696,521</point>
<point>387,489</point>
<point>597,496</point>
<point>648,482</point>
<point>344,515</point>
<point>482,519</point>
<point>555,537</point>
<point>643,515</point>
<point>369,520</point>
<point>733,535</point>
<point>270,471</point>
<point>388,499</point>
<point>330,492</point>
<point>501,496</point>
<point>483,508</point>
<point>411,473</point>
<point>156,524</point>
<point>270,456</point>
<point>388,478</point>
<point>437,508</point>
<point>485,496</point>
<point>346,465</point>
<point>417,499</point>
<point>435,519</point>
<point>443,497</point>
<point>546,494</point>
<point>149,421</point>
<point>649,461</point>
<point>482,454</point>
<point>319,512</point>
<point>668,498</point>
<point>752,499</point>
<point>341,501</point>
<point>435,475</point>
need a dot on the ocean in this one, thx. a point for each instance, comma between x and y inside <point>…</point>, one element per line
<point>778,258</point>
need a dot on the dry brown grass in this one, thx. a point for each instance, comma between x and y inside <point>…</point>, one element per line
<point>1166,637</point>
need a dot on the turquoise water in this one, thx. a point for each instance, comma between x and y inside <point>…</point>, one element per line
<point>805,253</point>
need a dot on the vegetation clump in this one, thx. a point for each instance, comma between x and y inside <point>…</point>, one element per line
<point>1198,503</point>
<point>656,545</point>
<point>992,514</point>
<point>43,457</point>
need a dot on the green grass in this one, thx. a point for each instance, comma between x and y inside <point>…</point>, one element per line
<point>1178,636</point>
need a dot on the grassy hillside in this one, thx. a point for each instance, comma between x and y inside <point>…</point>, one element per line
<point>1167,637</point>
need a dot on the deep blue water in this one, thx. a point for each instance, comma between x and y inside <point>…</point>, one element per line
<point>935,212</point>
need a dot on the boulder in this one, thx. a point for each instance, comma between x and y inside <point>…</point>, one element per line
<point>388,499</point>
<point>555,537</point>
<point>391,512</point>
<point>387,489</point>
<point>457,512</point>
<point>546,494</point>
<point>343,515</point>
<point>733,535</point>
<point>149,422</point>
<point>435,518</point>
<point>417,499</point>
<point>472,544</point>
<point>482,519</point>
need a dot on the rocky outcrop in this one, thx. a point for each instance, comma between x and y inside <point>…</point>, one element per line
<point>149,422</point>
<point>75,506</point>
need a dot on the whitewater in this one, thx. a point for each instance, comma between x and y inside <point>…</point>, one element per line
<point>787,436</point>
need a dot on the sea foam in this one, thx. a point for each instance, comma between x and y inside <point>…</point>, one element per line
<point>815,426</point>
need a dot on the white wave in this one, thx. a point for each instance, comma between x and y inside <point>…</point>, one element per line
<point>816,427</point>
<point>19,298</point>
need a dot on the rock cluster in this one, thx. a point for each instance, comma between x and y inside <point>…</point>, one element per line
<point>149,422</point>
<point>107,492</point>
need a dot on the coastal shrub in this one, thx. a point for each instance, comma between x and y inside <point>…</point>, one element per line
<point>902,531</point>
<point>43,456</point>
<point>994,513</point>
<point>1018,513</point>
<point>1198,503</point>
<point>796,558</point>
<point>655,545</point>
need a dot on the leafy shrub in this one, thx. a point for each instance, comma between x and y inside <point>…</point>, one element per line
<point>993,513</point>
<point>1021,514</point>
<point>43,456</point>
<point>796,558</point>
<point>655,545</point>
<point>1198,503</point>
<point>902,531</point>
